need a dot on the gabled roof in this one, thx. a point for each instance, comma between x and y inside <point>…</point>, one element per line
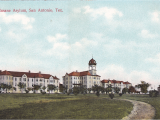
<point>126,82</point>
<point>28,74</point>
<point>79,73</point>
<point>5,73</point>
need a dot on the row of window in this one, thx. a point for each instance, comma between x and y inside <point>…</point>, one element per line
<point>82,78</point>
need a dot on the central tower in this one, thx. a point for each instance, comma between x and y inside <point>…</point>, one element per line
<point>92,67</point>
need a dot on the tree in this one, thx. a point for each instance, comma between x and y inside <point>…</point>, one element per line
<point>89,90</point>
<point>62,88</point>
<point>36,87</point>
<point>14,88</point>
<point>69,92</point>
<point>131,89</point>
<point>9,87</point>
<point>97,89</point>
<point>21,86</point>
<point>83,90</point>
<point>117,89</point>
<point>109,88</point>
<point>51,87</point>
<point>102,89</point>
<point>124,90</point>
<point>43,88</point>
<point>76,91</point>
<point>144,86</point>
<point>4,86</point>
<point>29,89</point>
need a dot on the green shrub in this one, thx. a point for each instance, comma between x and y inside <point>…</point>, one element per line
<point>43,92</point>
<point>111,95</point>
<point>120,94</point>
<point>153,93</point>
<point>26,91</point>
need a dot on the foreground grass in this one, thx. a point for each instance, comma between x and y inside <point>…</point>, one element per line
<point>37,106</point>
<point>154,101</point>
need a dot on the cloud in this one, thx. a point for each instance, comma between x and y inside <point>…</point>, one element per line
<point>118,72</point>
<point>16,36</point>
<point>56,37</point>
<point>155,60</point>
<point>62,47</point>
<point>146,34</point>
<point>0,29</point>
<point>17,18</point>
<point>155,16</point>
<point>109,13</point>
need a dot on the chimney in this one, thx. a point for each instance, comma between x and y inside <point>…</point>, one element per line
<point>76,71</point>
<point>29,71</point>
<point>39,72</point>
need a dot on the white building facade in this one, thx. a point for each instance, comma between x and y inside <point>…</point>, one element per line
<point>85,78</point>
<point>13,78</point>
<point>115,83</point>
<point>90,78</point>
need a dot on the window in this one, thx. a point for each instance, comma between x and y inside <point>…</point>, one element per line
<point>15,79</point>
<point>24,79</point>
<point>32,80</point>
<point>28,79</point>
<point>37,80</point>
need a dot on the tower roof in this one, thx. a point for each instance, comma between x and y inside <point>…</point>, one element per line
<point>92,62</point>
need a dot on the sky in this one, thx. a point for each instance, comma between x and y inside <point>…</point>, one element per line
<point>122,36</point>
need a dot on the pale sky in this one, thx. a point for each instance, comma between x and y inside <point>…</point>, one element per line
<point>123,37</point>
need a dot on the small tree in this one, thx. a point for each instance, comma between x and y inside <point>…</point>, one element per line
<point>131,89</point>
<point>29,89</point>
<point>102,89</point>
<point>89,90</point>
<point>4,86</point>
<point>117,89</point>
<point>69,92</point>
<point>14,88</point>
<point>109,88</point>
<point>124,90</point>
<point>97,89</point>
<point>51,87</point>
<point>43,88</point>
<point>21,86</point>
<point>9,87</point>
<point>153,93</point>
<point>144,86</point>
<point>36,87</point>
<point>76,91</point>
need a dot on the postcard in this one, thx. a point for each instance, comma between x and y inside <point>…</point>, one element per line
<point>80,59</point>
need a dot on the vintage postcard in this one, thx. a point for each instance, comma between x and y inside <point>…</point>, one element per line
<point>79,59</point>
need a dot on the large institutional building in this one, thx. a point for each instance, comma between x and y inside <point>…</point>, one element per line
<point>30,79</point>
<point>86,79</point>
<point>90,78</point>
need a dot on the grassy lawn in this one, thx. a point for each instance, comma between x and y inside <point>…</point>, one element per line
<point>59,106</point>
<point>154,101</point>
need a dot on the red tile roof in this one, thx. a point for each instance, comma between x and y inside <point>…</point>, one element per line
<point>83,73</point>
<point>5,73</point>
<point>79,73</point>
<point>28,74</point>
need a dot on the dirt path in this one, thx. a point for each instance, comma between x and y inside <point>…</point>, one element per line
<point>141,110</point>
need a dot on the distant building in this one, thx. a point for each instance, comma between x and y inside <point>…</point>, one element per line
<point>115,83</point>
<point>30,79</point>
<point>85,78</point>
<point>90,78</point>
